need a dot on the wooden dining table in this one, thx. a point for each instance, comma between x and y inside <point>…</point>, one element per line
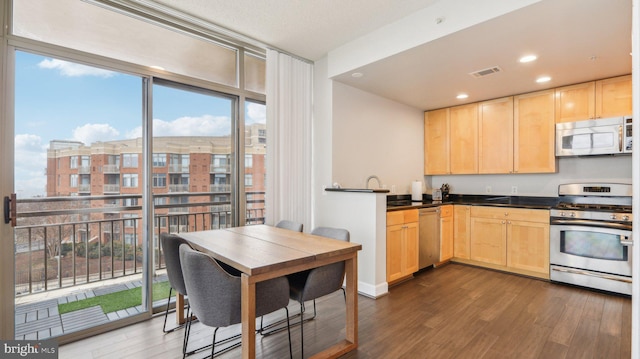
<point>264,252</point>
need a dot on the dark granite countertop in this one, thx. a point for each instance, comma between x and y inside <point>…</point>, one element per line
<point>364,190</point>
<point>401,202</point>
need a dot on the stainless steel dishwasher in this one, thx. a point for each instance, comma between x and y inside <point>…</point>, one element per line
<point>429,239</point>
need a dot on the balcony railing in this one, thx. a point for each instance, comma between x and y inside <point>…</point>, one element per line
<point>84,170</point>
<point>111,188</point>
<point>84,188</point>
<point>217,188</point>
<point>111,169</point>
<point>64,242</point>
<point>220,168</point>
<point>178,188</point>
<point>178,168</point>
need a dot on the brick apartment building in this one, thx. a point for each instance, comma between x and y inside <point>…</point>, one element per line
<point>186,171</point>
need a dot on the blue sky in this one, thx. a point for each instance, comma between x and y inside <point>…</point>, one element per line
<point>60,100</point>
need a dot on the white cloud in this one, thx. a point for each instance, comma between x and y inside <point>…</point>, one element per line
<point>71,69</point>
<point>205,125</point>
<point>30,164</point>
<point>256,113</point>
<point>93,132</point>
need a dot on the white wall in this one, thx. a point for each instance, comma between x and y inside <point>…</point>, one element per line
<point>615,169</point>
<point>373,135</point>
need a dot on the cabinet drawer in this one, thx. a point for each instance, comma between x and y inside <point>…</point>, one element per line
<point>446,211</point>
<point>400,217</point>
<point>516,214</point>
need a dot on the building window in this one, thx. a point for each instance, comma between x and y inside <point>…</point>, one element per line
<point>160,200</point>
<point>73,162</point>
<point>248,161</point>
<point>130,160</point>
<point>73,181</point>
<point>262,133</point>
<point>129,222</point>
<point>262,140</point>
<point>130,202</point>
<point>130,180</point>
<point>248,180</point>
<point>159,180</point>
<point>159,160</point>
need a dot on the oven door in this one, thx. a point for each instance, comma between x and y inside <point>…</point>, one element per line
<point>598,249</point>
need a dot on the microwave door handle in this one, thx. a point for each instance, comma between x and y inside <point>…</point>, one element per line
<point>620,140</point>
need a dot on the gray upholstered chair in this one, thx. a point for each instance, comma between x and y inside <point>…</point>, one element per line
<point>214,294</point>
<point>171,249</point>
<point>290,225</point>
<point>317,282</point>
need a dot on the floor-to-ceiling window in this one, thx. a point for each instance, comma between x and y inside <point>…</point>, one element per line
<point>81,179</point>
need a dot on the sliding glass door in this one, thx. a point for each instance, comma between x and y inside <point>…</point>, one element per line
<point>78,242</point>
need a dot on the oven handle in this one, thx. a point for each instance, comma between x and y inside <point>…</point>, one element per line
<point>587,223</point>
<point>597,275</point>
<point>625,241</point>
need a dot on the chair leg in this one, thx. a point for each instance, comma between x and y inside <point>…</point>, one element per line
<point>187,331</point>
<point>289,332</point>
<point>166,314</point>
<point>301,330</point>
<point>213,344</point>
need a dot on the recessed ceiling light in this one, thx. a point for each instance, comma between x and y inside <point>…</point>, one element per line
<point>528,58</point>
<point>462,96</point>
<point>357,74</point>
<point>542,79</point>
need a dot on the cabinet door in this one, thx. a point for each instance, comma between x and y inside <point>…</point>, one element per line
<point>463,124</point>
<point>489,242</point>
<point>528,246</point>
<point>394,252</point>
<point>496,136</point>
<point>613,97</point>
<point>575,102</point>
<point>446,238</point>
<point>534,133</point>
<point>436,142</point>
<point>461,233</point>
<point>411,248</point>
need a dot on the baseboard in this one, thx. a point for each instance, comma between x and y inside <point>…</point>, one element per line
<point>372,291</point>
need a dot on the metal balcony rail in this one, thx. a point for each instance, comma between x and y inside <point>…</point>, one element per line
<point>63,241</point>
<point>111,169</point>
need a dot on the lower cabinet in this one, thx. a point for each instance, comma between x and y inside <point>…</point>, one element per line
<point>511,239</point>
<point>402,244</point>
<point>461,231</point>
<point>446,232</point>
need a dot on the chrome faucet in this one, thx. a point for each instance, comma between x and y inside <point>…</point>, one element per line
<point>373,177</point>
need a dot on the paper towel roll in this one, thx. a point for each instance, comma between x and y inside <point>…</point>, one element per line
<point>416,191</point>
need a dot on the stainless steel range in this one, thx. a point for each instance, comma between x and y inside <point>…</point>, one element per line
<point>590,239</point>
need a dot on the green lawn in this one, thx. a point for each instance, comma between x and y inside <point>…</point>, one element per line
<point>116,301</point>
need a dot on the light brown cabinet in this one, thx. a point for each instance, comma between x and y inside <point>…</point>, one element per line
<point>436,142</point>
<point>534,133</point>
<point>451,140</point>
<point>463,153</point>
<point>596,99</point>
<point>446,232</point>
<point>461,231</point>
<point>495,136</point>
<point>511,239</point>
<point>402,244</point>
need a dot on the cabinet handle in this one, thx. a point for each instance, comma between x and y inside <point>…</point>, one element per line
<point>502,222</point>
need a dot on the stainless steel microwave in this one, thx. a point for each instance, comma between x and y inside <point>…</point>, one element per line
<point>606,136</point>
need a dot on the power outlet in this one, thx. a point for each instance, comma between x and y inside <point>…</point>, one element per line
<point>487,189</point>
<point>514,189</point>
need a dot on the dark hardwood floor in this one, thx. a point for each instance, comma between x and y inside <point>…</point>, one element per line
<point>454,311</point>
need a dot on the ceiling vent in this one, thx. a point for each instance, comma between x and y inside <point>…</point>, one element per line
<point>485,72</point>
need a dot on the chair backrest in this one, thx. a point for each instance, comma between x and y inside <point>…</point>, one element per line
<point>171,249</point>
<point>214,294</point>
<point>329,278</point>
<point>290,225</point>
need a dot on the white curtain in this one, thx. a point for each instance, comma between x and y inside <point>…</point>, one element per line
<point>289,116</point>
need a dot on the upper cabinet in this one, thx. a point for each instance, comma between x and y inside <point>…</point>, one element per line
<point>595,99</point>
<point>463,153</point>
<point>436,142</point>
<point>515,134</point>
<point>495,132</point>
<point>451,140</point>
<point>534,133</point>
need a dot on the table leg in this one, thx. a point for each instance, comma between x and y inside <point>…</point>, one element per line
<point>179,309</point>
<point>248,297</point>
<point>351,277</point>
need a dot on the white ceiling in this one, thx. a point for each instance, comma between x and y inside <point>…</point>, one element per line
<point>575,40</point>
